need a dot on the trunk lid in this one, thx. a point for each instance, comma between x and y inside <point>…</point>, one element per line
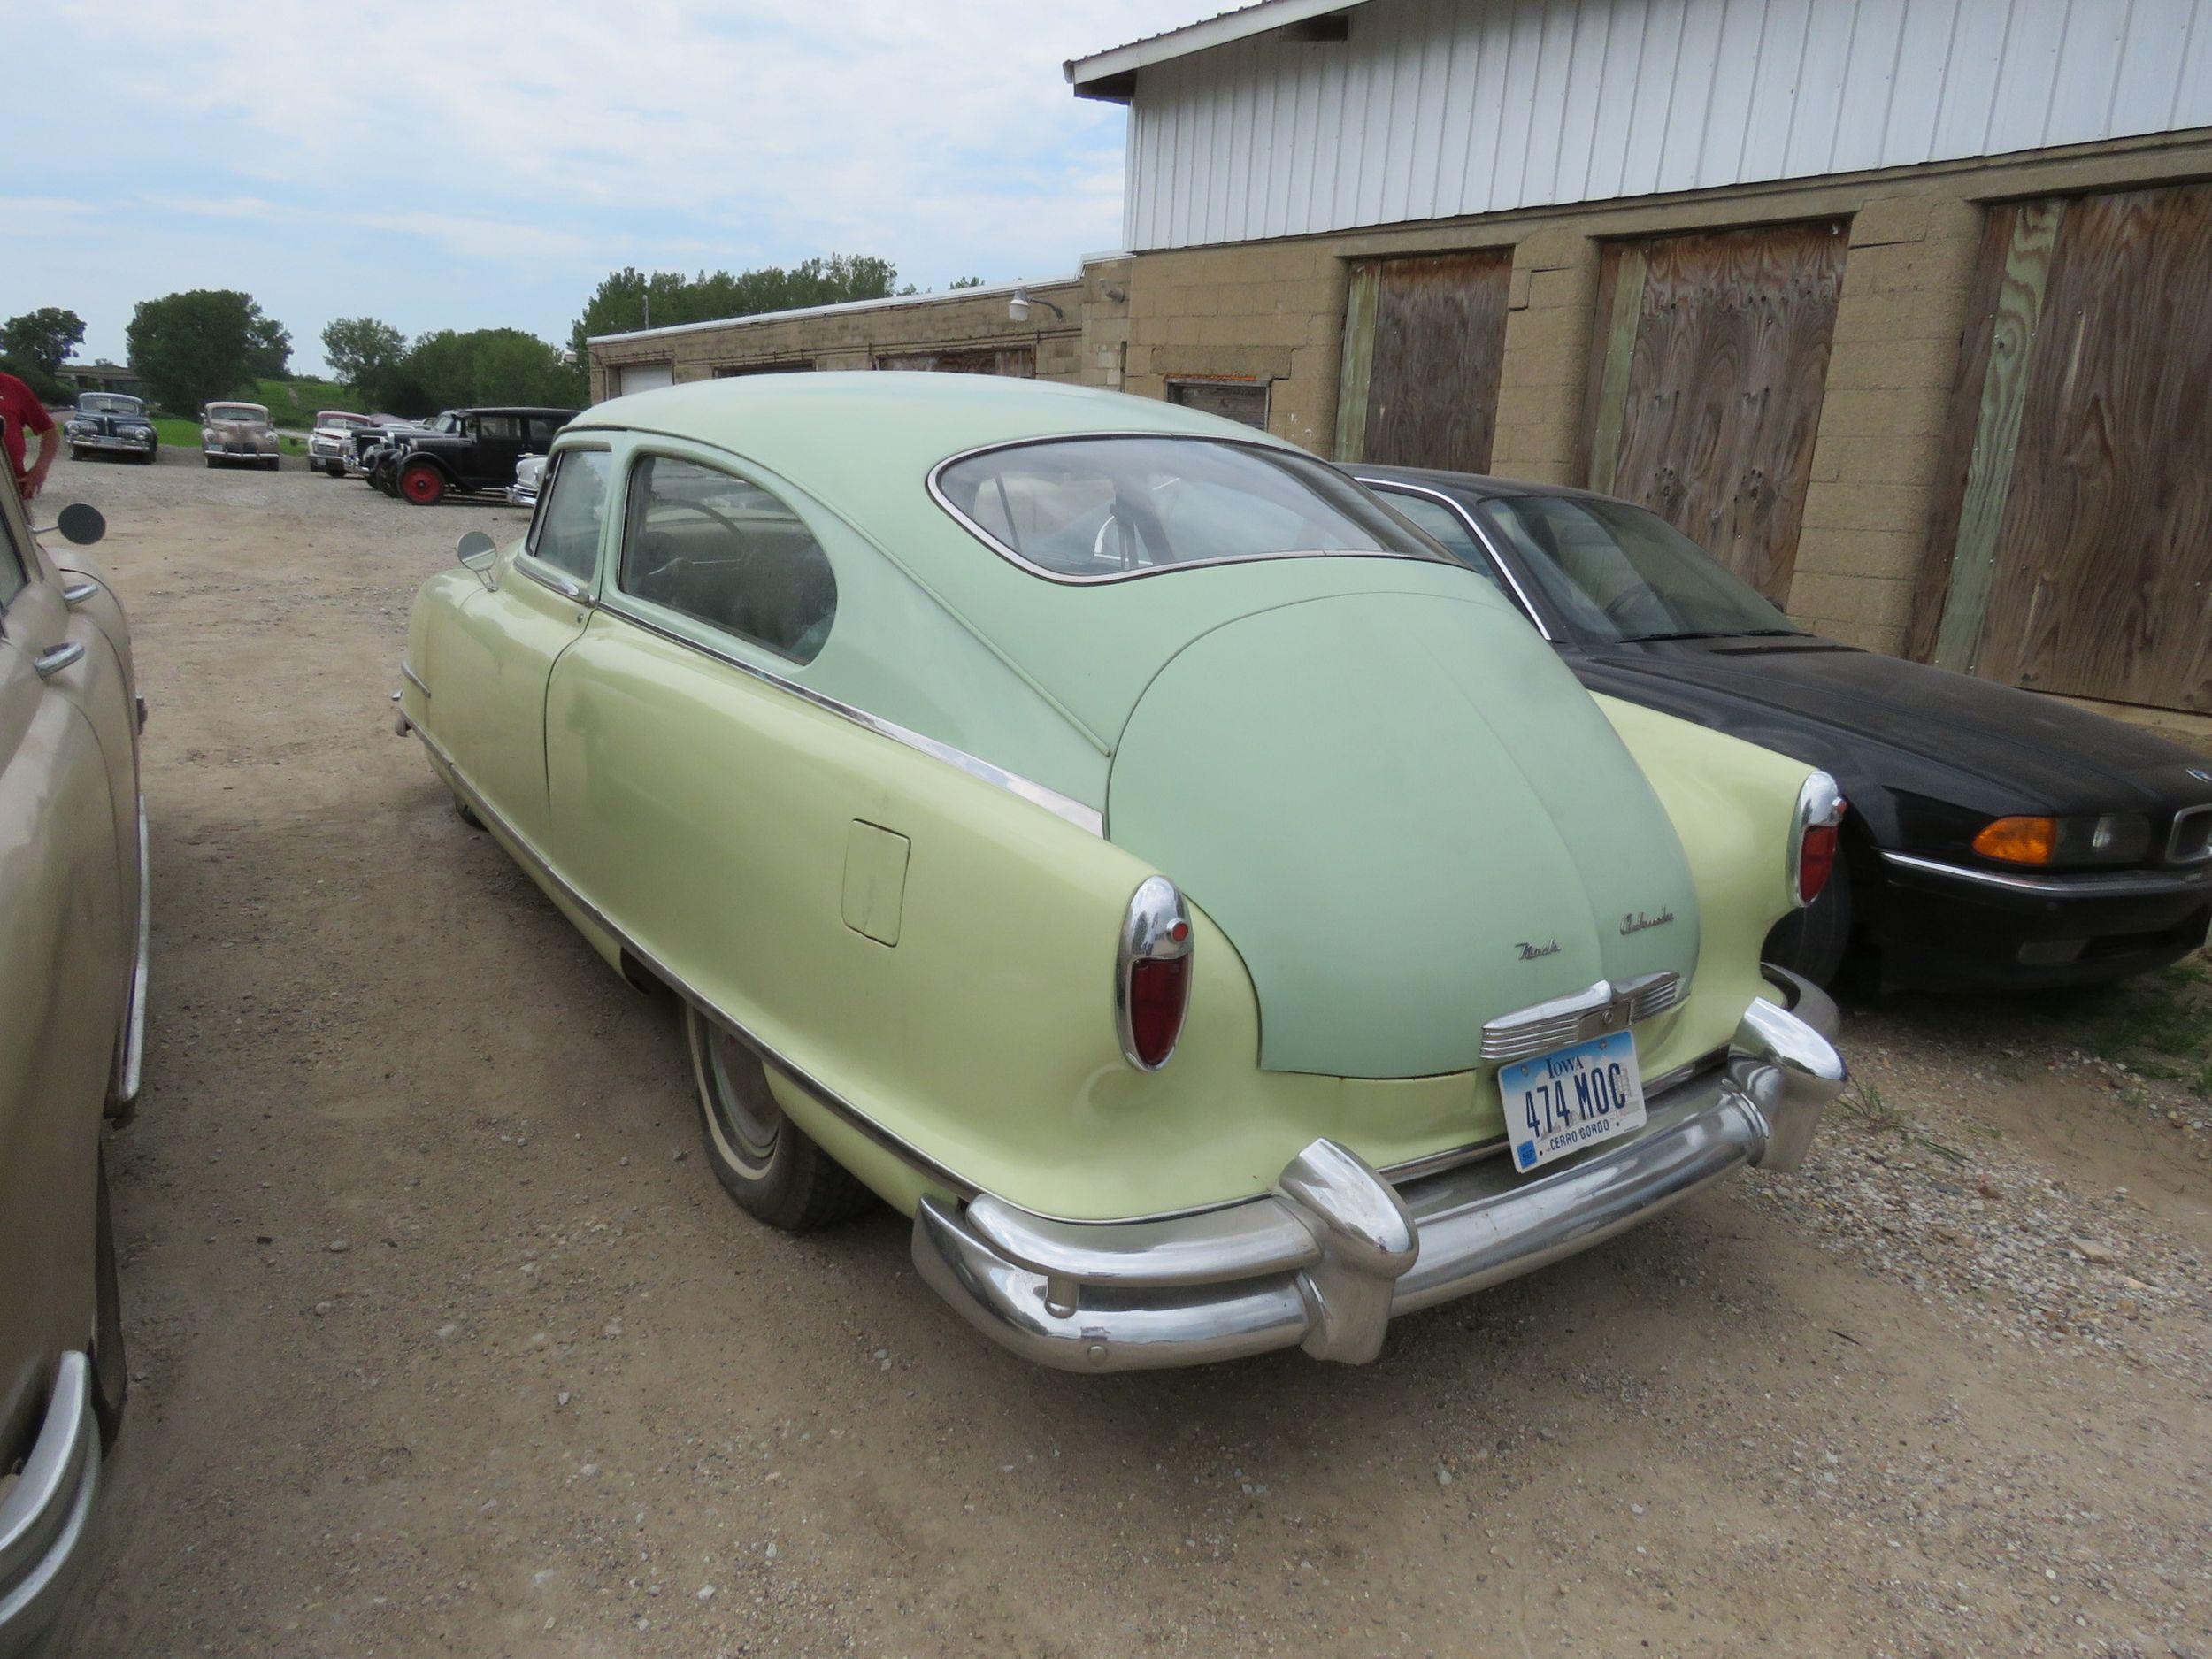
<point>1408,816</point>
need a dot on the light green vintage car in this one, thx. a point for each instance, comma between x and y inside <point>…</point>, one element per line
<point>1120,842</point>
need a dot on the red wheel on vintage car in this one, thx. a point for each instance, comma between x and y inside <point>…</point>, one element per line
<point>423,484</point>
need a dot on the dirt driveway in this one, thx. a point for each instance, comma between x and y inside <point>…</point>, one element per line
<point>445,1341</point>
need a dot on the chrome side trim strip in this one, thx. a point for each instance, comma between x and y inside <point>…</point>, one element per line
<point>1084,818</point>
<point>135,1029</point>
<point>1007,553</point>
<point>1384,486</point>
<point>413,678</point>
<point>910,1154</point>
<point>2085,884</point>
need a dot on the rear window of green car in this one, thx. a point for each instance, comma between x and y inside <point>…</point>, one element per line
<point>1103,509</point>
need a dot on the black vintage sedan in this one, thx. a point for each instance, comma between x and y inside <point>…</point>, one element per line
<point>1995,837</point>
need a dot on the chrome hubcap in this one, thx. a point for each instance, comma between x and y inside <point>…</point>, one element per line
<point>747,1119</point>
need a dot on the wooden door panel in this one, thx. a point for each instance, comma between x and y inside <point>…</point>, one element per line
<point>1425,341</point>
<point>1712,363</point>
<point>2071,549</point>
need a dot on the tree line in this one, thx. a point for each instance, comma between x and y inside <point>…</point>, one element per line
<point>207,343</point>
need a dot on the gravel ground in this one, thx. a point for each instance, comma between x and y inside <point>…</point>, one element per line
<point>445,1341</point>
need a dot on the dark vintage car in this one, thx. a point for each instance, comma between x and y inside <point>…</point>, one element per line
<point>464,450</point>
<point>1995,837</point>
<point>108,423</point>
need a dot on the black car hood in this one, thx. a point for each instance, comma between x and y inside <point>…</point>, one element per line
<point>1780,692</point>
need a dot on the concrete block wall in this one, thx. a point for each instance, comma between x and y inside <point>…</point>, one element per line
<point>1275,309</point>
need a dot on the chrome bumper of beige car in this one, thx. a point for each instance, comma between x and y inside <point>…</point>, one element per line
<point>1336,1251</point>
<point>45,1517</point>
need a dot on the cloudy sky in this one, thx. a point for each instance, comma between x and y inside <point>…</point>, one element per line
<point>474,163</point>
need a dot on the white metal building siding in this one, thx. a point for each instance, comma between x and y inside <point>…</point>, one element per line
<point>1439,108</point>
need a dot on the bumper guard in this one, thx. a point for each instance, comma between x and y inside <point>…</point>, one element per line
<point>1327,1260</point>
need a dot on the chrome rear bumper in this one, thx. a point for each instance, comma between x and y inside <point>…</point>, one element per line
<point>1336,1251</point>
<point>45,1517</point>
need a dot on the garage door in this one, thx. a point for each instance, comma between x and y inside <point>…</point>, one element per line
<point>644,377</point>
<point>1710,370</point>
<point>1424,341</point>
<point>2071,546</point>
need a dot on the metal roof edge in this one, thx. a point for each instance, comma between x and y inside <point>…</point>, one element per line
<point>1221,30</point>
<point>943,296</point>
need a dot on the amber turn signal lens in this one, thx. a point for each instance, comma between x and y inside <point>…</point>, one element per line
<point>2019,840</point>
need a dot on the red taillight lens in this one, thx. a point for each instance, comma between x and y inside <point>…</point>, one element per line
<point>1158,994</point>
<point>1152,974</point>
<point>1819,837</point>
<point>1816,860</point>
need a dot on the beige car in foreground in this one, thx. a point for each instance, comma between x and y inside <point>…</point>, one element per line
<point>73,987</point>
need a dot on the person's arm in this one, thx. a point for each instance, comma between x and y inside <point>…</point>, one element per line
<point>48,447</point>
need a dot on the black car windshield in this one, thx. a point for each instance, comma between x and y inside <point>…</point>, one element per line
<point>1618,572</point>
<point>1100,507</point>
<point>108,403</point>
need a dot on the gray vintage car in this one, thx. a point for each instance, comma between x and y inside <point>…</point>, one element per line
<point>110,423</point>
<point>238,434</point>
<point>72,995</point>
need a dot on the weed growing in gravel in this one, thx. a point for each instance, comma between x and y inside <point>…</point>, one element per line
<point>1864,1109</point>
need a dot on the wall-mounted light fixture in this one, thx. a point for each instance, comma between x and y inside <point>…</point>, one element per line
<point>1017,307</point>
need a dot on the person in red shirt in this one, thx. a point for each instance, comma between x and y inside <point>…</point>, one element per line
<point>22,412</point>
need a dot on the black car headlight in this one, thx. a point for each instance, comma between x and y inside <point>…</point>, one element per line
<point>2102,838</point>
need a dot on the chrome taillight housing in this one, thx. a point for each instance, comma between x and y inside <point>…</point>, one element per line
<point>1152,974</point>
<point>1817,839</point>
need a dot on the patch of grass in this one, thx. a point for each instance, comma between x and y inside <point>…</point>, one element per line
<point>182,435</point>
<point>2161,1026</point>
<point>293,402</point>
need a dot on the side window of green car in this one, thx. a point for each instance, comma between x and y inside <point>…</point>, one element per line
<point>567,532</point>
<point>723,551</point>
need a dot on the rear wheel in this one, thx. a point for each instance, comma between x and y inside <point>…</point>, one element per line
<point>75,453</point>
<point>209,459</point>
<point>146,456</point>
<point>762,1159</point>
<point>110,1365</point>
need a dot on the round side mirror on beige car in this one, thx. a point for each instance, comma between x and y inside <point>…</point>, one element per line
<point>81,522</point>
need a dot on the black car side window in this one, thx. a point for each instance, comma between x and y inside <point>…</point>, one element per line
<point>504,426</point>
<point>567,533</point>
<point>1447,527</point>
<point>727,553</point>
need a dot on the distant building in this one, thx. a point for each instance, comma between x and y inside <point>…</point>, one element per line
<point>102,377</point>
<point>1900,309</point>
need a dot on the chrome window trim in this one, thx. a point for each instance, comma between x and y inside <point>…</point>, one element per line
<point>632,504</point>
<point>1064,806</point>
<point>2188,815</point>
<point>2087,884</point>
<point>1384,486</point>
<point>937,493</point>
<point>537,567</point>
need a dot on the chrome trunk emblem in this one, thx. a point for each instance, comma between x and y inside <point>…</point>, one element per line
<point>1637,923</point>
<point>1567,1021</point>
<point>1529,952</point>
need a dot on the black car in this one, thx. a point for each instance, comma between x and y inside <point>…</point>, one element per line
<point>1995,837</point>
<point>468,451</point>
<point>110,423</point>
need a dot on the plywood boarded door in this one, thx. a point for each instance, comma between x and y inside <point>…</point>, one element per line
<point>1710,367</point>
<point>2071,544</point>
<point>1424,339</point>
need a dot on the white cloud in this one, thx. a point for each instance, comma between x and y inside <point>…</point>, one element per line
<point>385,160</point>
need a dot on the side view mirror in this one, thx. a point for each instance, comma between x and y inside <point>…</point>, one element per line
<point>81,522</point>
<point>475,553</point>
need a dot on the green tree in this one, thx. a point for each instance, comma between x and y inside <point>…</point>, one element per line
<point>449,369</point>
<point>630,298</point>
<point>202,344</point>
<point>967,282</point>
<point>44,338</point>
<point>366,354</point>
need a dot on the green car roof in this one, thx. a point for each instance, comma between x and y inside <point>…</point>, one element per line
<point>865,443</point>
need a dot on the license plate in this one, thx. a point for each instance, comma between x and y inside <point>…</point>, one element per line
<point>1573,1098</point>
